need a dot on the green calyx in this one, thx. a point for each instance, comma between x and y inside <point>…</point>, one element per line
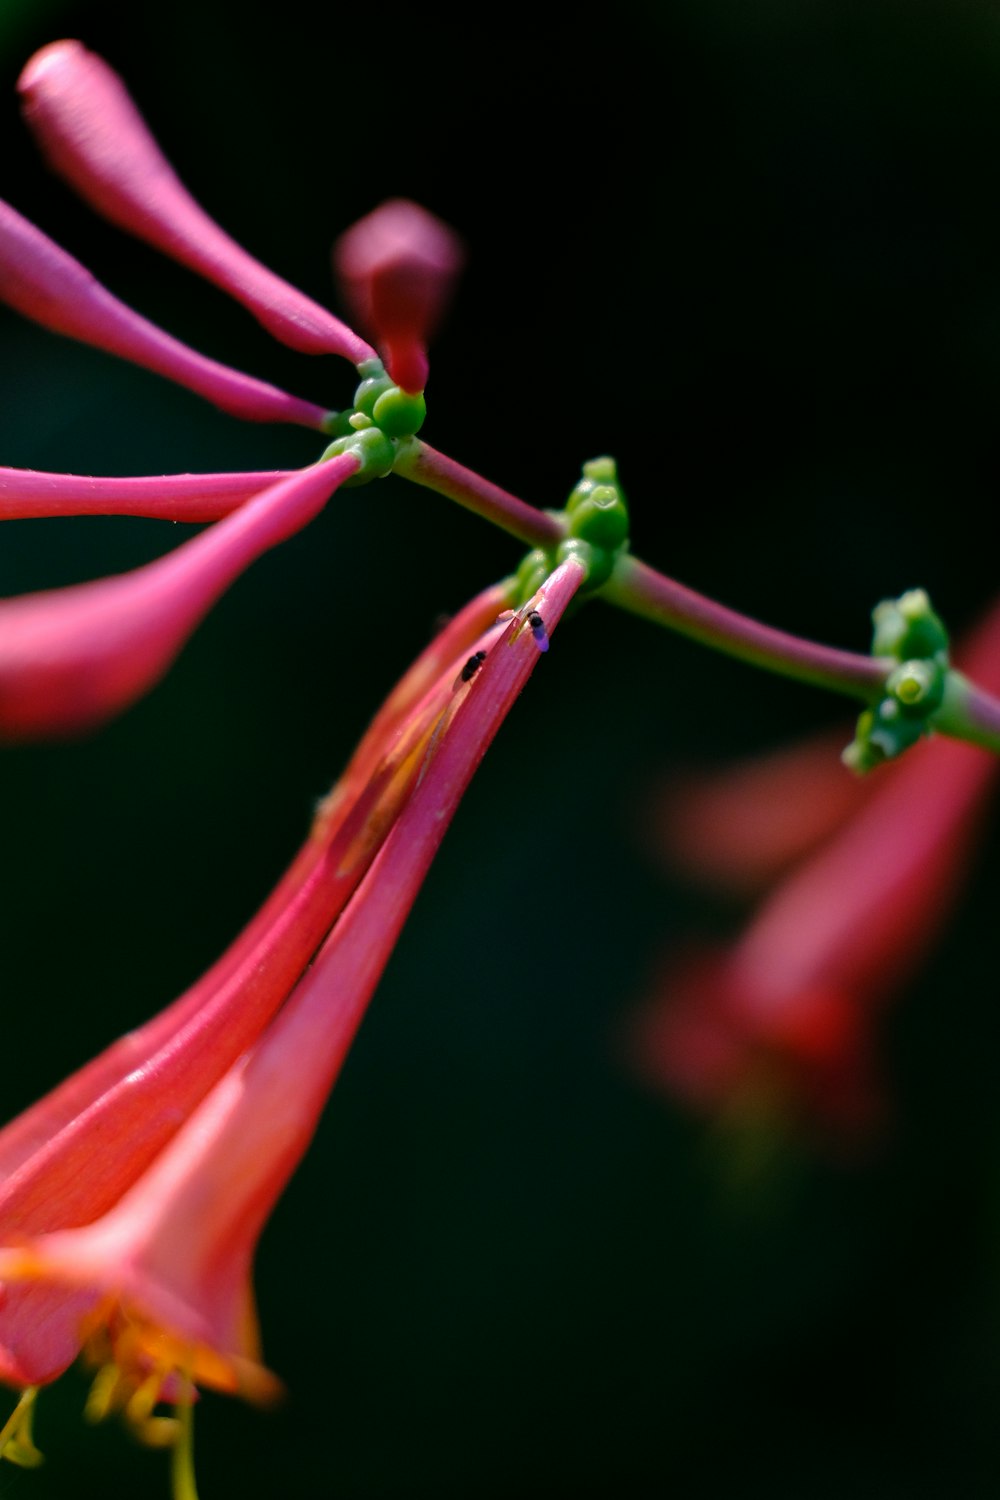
<point>382,415</point>
<point>908,629</point>
<point>595,523</point>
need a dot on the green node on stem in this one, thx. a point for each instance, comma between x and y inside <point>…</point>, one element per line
<point>908,629</point>
<point>597,522</point>
<point>397,412</point>
<point>375,452</point>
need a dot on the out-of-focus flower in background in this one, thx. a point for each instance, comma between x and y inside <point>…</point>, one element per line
<point>784,1020</point>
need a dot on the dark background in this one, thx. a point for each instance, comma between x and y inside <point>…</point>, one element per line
<point>753,250</point>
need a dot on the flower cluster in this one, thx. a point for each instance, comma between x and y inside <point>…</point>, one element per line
<point>71,658</point>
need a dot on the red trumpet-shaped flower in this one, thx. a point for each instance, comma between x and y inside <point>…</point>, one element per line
<point>132,1197</point>
<point>788,1008</point>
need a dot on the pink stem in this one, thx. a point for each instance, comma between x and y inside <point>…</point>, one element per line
<point>641,589</point>
<point>424,465</point>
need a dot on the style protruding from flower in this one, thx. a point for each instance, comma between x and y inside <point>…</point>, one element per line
<point>397,267</point>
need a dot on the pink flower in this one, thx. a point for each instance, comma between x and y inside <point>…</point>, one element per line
<point>787,1012</point>
<point>132,1197</point>
<point>397,266</point>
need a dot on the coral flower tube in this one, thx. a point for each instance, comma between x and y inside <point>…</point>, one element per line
<point>166,1270</point>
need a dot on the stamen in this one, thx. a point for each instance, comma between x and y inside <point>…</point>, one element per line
<point>139,1407</point>
<point>17,1445</point>
<point>108,1393</point>
<point>182,1465</point>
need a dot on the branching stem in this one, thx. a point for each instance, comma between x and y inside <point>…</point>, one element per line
<point>423,464</point>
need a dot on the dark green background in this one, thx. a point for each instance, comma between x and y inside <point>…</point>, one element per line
<point>753,249</point>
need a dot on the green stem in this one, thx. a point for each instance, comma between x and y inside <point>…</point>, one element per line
<point>423,464</point>
<point>640,589</point>
<point>969,713</point>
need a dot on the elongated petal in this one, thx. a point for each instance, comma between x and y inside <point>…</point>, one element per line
<point>31,493</point>
<point>46,284</point>
<point>92,134</point>
<point>75,656</point>
<point>176,1249</point>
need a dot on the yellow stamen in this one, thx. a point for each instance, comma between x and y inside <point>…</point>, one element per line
<point>182,1465</point>
<point>108,1393</point>
<point>139,1407</point>
<point>16,1442</point>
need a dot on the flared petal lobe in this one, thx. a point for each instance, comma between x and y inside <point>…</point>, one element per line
<point>92,134</point>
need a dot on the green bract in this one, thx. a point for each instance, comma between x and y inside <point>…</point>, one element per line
<point>596,531</point>
<point>908,629</point>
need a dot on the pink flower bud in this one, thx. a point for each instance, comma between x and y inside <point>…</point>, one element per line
<point>397,267</point>
<point>92,134</point>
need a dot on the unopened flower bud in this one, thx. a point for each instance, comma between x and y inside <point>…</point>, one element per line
<point>396,267</point>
